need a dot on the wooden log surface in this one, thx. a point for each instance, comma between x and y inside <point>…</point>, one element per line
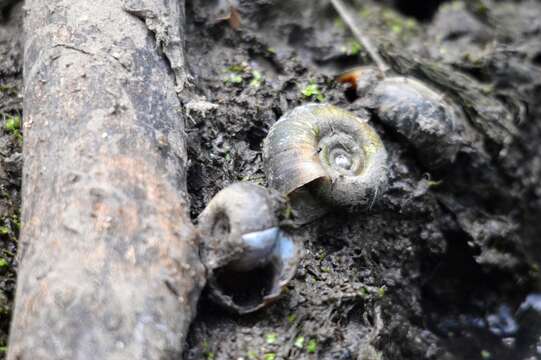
<point>109,267</point>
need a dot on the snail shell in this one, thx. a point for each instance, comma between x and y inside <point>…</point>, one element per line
<point>431,123</point>
<point>425,118</point>
<point>338,156</point>
<point>249,257</point>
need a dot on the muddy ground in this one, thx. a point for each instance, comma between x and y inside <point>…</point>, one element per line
<point>446,265</point>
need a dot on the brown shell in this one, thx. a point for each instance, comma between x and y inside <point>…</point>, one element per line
<point>333,146</point>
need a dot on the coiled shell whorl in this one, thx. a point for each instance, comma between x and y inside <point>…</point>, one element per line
<point>338,156</point>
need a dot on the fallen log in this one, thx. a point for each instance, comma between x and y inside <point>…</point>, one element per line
<point>109,267</point>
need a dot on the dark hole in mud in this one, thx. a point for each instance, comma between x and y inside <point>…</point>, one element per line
<point>351,94</point>
<point>463,304</point>
<point>421,10</point>
<point>255,137</point>
<point>246,288</point>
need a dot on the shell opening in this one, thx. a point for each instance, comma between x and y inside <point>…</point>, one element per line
<point>245,290</point>
<point>248,283</point>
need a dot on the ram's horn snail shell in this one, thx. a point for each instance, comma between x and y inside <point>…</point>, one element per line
<point>431,123</point>
<point>250,259</point>
<point>336,155</point>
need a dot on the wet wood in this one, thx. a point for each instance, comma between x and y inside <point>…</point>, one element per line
<point>109,267</point>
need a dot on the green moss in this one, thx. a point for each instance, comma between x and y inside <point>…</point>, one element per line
<point>291,318</point>
<point>352,48</point>
<point>13,126</point>
<point>271,338</point>
<point>313,92</point>
<point>3,263</point>
<point>326,269</point>
<point>257,78</point>
<point>364,292</point>
<point>209,355</point>
<point>233,79</point>
<point>269,356</point>
<point>299,342</point>
<point>8,89</point>
<point>236,74</point>
<point>311,347</point>
<point>397,24</point>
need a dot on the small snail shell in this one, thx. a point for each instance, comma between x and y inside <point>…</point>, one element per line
<point>425,118</point>
<point>249,257</point>
<point>336,154</point>
<point>432,124</point>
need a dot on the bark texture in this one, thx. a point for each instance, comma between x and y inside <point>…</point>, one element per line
<point>109,267</point>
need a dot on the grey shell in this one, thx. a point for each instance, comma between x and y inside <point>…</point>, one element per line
<point>338,155</point>
<point>241,235</point>
<point>425,118</point>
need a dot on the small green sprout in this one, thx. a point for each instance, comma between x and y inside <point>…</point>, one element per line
<point>352,48</point>
<point>271,338</point>
<point>291,318</point>
<point>209,355</point>
<point>381,291</point>
<point>257,78</point>
<point>312,346</point>
<point>3,263</point>
<point>299,342</point>
<point>269,356</point>
<point>233,79</point>
<point>364,292</point>
<point>237,68</point>
<point>4,230</point>
<point>234,74</point>
<point>13,126</point>
<point>252,355</point>
<point>312,91</point>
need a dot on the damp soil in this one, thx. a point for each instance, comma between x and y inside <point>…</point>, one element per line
<point>445,266</point>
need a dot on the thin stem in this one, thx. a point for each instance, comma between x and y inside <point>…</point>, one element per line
<point>365,41</point>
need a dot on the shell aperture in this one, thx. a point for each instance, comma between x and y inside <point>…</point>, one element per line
<point>249,258</point>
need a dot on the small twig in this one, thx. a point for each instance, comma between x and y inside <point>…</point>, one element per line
<point>365,41</point>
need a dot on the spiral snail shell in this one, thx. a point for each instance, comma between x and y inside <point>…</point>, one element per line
<point>430,122</point>
<point>250,259</point>
<point>336,155</point>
